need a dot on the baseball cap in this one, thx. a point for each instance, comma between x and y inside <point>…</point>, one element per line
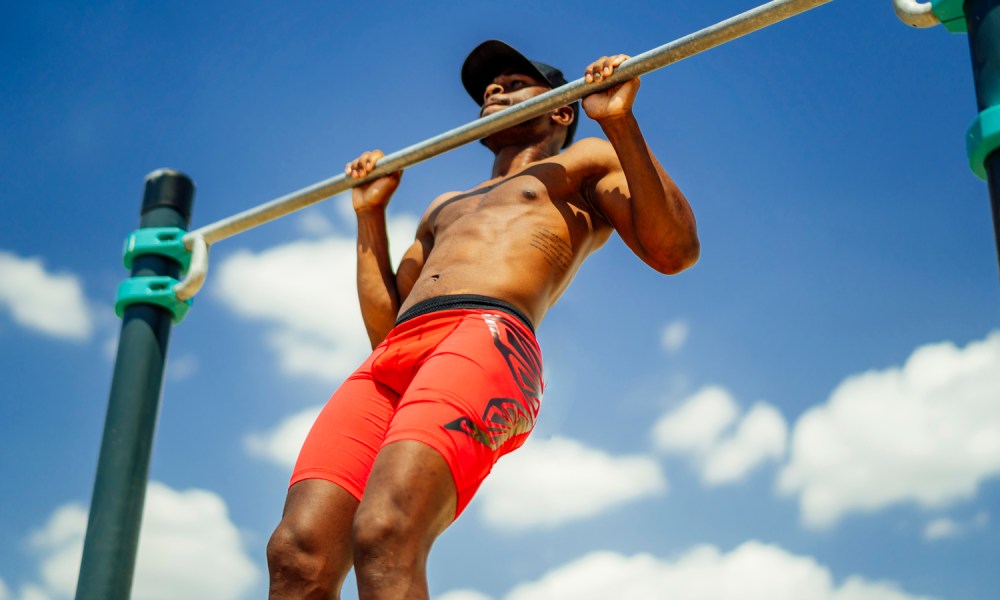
<point>493,57</point>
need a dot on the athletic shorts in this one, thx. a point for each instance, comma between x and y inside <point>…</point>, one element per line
<point>462,374</point>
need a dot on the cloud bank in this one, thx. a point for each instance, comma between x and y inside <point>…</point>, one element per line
<point>281,444</point>
<point>723,447</point>
<point>305,291</point>
<point>549,482</point>
<point>926,433</point>
<point>752,571</point>
<point>49,303</point>
<point>188,549</point>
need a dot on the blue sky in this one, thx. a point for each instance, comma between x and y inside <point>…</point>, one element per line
<point>809,412</point>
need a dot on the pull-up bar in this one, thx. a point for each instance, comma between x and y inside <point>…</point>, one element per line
<point>753,20</point>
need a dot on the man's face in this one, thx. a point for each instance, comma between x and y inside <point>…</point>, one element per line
<point>508,89</point>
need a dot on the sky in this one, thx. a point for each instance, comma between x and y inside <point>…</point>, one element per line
<point>809,412</point>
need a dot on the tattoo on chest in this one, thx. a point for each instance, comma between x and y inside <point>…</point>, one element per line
<point>556,251</point>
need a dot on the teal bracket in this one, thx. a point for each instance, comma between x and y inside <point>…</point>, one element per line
<point>165,241</point>
<point>982,139</point>
<point>158,290</point>
<point>951,13</point>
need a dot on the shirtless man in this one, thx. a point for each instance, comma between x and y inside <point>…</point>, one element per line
<point>454,381</point>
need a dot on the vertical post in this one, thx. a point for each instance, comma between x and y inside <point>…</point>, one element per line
<point>123,468</point>
<point>983,19</point>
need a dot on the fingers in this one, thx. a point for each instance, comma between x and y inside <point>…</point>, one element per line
<point>603,67</point>
<point>364,164</point>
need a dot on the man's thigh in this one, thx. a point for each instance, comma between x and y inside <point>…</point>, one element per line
<point>345,439</point>
<point>411,490</point>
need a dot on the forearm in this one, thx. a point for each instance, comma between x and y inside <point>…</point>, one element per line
<point>377,291</point>
<point>662,219</point>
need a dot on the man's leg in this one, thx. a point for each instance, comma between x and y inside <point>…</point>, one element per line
<point>409,500</point>
<point>309,553</point>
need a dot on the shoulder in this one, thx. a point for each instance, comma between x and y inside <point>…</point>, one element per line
<point>427,220</point>
<point>437,202</point>
<point>593,153</point>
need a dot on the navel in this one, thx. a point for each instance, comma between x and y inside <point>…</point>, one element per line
<point>529,194</point>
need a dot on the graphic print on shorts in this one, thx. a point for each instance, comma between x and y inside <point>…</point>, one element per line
<point>505,418</point>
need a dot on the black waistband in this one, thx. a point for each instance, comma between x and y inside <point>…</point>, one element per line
<point>459,301</point>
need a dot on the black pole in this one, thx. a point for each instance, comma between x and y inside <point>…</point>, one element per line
<point>983,21</point>
<point>109,548</point>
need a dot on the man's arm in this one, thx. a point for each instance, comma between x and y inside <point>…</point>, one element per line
<point>632,191</point>
<point>380,290</point>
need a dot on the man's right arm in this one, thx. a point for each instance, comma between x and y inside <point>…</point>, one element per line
<point>380,290</point>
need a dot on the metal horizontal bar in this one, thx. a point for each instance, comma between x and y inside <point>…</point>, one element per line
<point>685,47</point>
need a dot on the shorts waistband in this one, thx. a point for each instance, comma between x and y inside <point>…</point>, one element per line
<point>460,301</point>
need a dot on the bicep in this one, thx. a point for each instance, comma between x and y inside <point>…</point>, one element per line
<point>611,198</point>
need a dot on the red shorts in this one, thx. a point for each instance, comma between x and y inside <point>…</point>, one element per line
<point>466,382</point>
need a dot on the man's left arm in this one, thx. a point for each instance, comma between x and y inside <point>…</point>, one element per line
<point>633,191</point>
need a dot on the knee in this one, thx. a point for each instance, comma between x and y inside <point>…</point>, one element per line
<point>383,532</point>
<point>295,563</point>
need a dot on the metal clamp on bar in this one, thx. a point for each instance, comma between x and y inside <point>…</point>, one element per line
<point>158,291</point>
<point>982,139</point>
<point>950,13</point>
<point>165,241</point>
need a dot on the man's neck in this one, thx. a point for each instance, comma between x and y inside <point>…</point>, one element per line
<point>513,158</point>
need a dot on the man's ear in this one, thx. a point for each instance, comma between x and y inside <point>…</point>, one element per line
<point>563,115</point>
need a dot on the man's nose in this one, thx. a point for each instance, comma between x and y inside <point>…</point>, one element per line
<point>493,88</point>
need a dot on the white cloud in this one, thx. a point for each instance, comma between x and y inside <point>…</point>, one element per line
<point>945,527</point>
<point>724,448</point>
<point>942,528</point>
<point>188,548</point>
<point>33,592</point>
<point>60,543</point>
<point>281,445</point>
<point>674,336</point>
<point>549,482</point>
<point>306,291</point>
<point>314,223</point>
<point>752,571</point>
<point>5,592</point>
<point>698,423</point>
<point>182,367</point>
<point>927,432</point>
<point>52,304</point>
<point>760,436</point>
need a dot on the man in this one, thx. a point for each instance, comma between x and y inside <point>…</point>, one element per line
<point>454,381</point>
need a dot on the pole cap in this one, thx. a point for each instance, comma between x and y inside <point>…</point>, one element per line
<point>170,189</point>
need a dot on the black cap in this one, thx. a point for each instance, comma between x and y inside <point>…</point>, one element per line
<point>493,57</point>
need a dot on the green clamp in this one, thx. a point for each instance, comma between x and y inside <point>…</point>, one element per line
<point>158,291</point>
<point>951,13</point>
<point>982,139</point>
<point>165,241</point>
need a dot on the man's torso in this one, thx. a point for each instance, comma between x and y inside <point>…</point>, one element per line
<point>519,238</point>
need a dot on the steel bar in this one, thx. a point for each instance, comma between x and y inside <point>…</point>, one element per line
<point>685,47</point>
<point>109,548</point>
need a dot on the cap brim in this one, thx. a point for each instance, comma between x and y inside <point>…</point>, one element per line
<point>488,60</point>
